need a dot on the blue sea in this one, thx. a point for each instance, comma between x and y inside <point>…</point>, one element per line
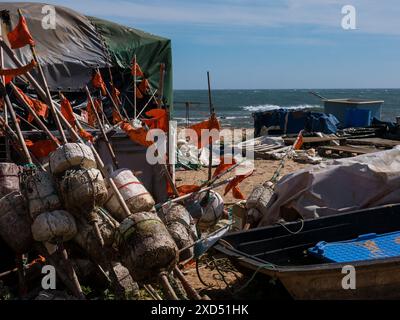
<point>235,107</point>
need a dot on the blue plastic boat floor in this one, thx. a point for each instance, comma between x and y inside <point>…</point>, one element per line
<point>365,247</point>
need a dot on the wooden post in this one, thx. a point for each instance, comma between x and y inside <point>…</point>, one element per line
<point>134,89</point>
<point>47,91</point>
<point>211,114</point>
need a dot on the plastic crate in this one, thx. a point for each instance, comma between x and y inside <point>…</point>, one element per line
<point>366,247</point>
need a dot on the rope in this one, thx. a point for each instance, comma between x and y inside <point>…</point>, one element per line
<point>293,232</point>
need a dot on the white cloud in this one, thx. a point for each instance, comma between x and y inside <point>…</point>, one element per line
<point>372,16</point>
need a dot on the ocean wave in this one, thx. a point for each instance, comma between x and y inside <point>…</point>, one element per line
<point>268,107</point>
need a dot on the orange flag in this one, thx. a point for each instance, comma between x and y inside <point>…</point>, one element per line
<point>116,95</point>
<point>136,135</point>
<point>116,117</point>
<point>39,107</point>
<point>41,148</point>
<point>98,82</point>
<point>223,166</point>
<point>209,124</point>
<point>85,135</point>
<point>143,86</point>
<point>92,119</point>
<point>234,186</point>
<point>20,36</point>
<point>12,73</point>
<point>67,112</point>
<point>159,119</point>
<point>135,69</point>
<point>299,141</point>
<point>182,190</point>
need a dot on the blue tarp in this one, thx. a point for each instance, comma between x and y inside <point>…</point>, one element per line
<point>289,121</point>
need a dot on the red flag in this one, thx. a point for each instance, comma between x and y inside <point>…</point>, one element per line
<point>143,86</point>
<point>98,82</point>
<point>92,119</point>
<point>182,190</point>
<point>39,107</point>
<point>299,141</point>
<point>20,36</point>
<point>135,69</point>
<point>159,119</point>
<point>85,135</point>
<point>67,112</point>
<point>136,135</point>
<point>209,124</point>
<point>10,74</point>
<point>234,186</point>
<point>41,148</point>
<point>115,95</point>
<point>223,166</point>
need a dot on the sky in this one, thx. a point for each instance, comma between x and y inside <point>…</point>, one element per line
<point>267,44</point>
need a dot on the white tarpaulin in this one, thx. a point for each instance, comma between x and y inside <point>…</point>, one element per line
<point>337,186</point>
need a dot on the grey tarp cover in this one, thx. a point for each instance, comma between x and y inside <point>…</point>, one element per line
<point>68,52</point>
<point>80,43</point>
<point>338,186</point>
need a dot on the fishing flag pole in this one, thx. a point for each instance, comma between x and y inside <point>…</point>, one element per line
<point>46,89</point>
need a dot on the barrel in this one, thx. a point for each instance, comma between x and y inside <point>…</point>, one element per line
<point>41,193</point>
<point>146,247</point>
<point>136,196</point>
<point>15,226</point>
<point>54,226</point>
<point>71,156</point>
<point>82,190</point>
<point>9,179</point>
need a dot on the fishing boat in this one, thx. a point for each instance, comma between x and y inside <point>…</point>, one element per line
<point>286,252</point>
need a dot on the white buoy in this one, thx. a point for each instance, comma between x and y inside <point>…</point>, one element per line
<point>71,156</point>
<point>136,197</point>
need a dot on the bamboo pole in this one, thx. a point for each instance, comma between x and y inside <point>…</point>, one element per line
<point>107,141</point>
<point>17,127</point>
<point>170,293</point>
<point>47,91</point>
<point>211,114</point>
<point>161,85</point>
<point>3,81</point>
<point>10,132</point>
<point>191,292</point>
<point>33,113</point>
<point>134,90</point>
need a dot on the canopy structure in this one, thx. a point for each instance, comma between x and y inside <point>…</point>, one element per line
<point>78,44</point>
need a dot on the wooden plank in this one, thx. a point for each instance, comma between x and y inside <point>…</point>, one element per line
<point>379,142</point>
<point>348,149</point>
<point>290,141</point>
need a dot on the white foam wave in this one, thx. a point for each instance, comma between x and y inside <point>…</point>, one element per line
<point>268,107</point>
